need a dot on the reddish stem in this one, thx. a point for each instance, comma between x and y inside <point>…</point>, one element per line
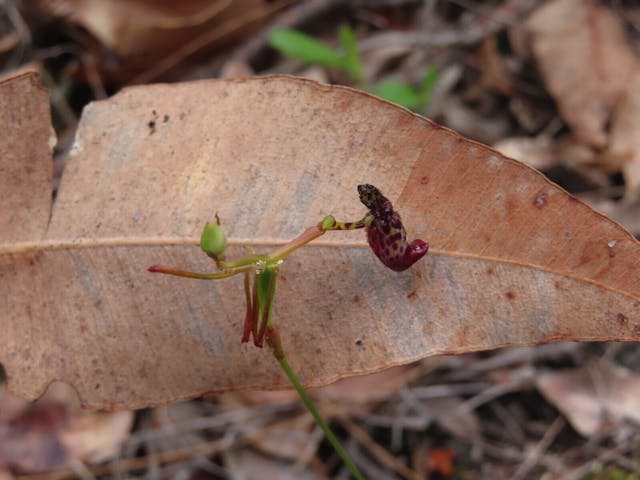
<point>249,319</point>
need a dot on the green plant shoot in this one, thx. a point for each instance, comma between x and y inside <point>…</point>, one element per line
<point>404,94</point>
<point>296,44</point>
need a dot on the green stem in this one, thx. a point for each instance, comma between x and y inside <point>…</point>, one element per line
<point>328,223</point>
<point>200,276</point>
<point>301,240</point>
<point>250,260</point>
<point>318,418</point>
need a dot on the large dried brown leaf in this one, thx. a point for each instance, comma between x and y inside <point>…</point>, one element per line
<point>26,167</point>
<point>586,61</point>
<point>515,259</point>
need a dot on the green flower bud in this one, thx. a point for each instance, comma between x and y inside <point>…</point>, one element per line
<point>213,241</point>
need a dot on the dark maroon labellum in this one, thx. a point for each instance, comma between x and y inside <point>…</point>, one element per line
<point>386,235</point>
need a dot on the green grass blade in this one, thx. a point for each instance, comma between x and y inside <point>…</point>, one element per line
<point>398,92</point>
<point>351,59</point>
<point>296,44</point>
<point>428,83</point>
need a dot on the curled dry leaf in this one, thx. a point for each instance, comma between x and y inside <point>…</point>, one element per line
<point>594,76</point>
<point>161,26</point>
<point>516,260</point>
<point>586,61</point>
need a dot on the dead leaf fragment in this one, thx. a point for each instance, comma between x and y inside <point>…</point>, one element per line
<point>160,26</point>
<point>441,461</point>
<point>586,61</point>
<point>367,388</point>
<point>593,399</point>
<point>54,433</point>
<point>625,140</point>
<point>515,260</point>
<point>535,152</point>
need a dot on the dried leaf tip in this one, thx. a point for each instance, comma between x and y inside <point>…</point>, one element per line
<point>386,234</point>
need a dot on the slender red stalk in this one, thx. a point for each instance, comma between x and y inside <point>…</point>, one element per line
<point>249,319</point>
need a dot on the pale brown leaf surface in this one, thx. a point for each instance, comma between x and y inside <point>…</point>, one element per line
<point>26,167</point>
<point>515,259</point>
<point>595,398</point>
<point>586,61</point>
<point>625,140</point>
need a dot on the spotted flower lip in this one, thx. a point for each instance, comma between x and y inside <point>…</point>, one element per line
<point>386,234</point>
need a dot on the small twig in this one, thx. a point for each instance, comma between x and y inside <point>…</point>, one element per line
<point>449,390</point>
<point>413,422</point>
<point>22,31</point>
<point>605,457</point>
<point>93,77</point>
<point>383,456</point>
<point>308,453</point>
<point>511,356</point>
<point>140,463</point>
<point>8,42</point>
<point>475,30</point>
<point>220,421</point>
<point>522,378</point>
<point>542,446</point>
<point>512,429</point>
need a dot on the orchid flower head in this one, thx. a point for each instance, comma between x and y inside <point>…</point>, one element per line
<point>386,234</point>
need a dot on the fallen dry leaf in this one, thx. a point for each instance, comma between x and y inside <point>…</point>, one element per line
<point>593,399</point>
<point>26,169</point>
<point>165,33</point>
<point>451,415</point>
<point>160,27</point>
<point>536,152</point>
<point>515,260</point>
<point>586,61</point>
<point>285,436</point>
<point>544,152</point>
<point>625,140</point>
<point>54,433</point>
<point>368,388</point>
